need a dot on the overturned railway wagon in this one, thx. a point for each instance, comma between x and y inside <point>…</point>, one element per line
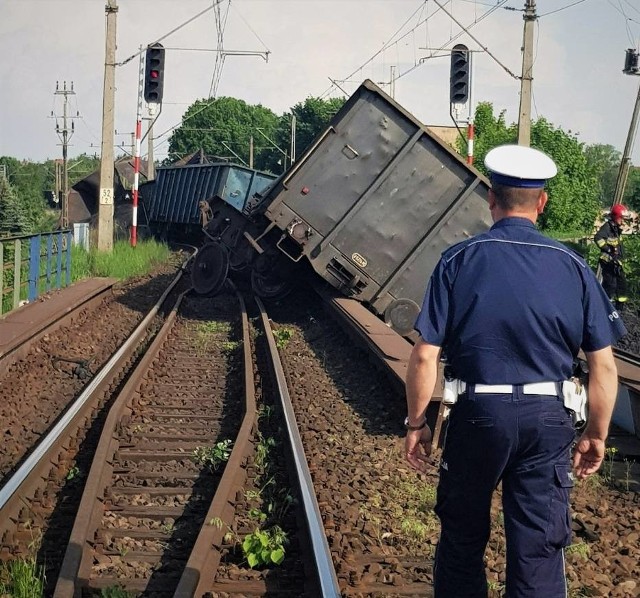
<point>370,206</point>
<point>177,193</point>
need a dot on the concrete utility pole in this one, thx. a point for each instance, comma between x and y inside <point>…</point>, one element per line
<point>630,68</point>
<point>524,118</point>
<point>105,207</point>
<point>65,135</point>
<point>623,172</point>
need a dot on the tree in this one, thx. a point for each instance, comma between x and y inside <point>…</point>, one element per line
<point>604,160</point>
<point>573,193</point>
<point>574,202</point>
<point>312,117</point>
<point>223,128</point>
<point>13,218</point>
<point>28,181</point>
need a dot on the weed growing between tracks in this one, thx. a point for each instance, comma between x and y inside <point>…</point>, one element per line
<point>24,578</point>
<point>262,538</point>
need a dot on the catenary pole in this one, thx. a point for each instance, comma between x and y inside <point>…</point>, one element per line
<point>623,172</point>
<point>65,134</point>
<point>105,205</point>
<point>524,118</point>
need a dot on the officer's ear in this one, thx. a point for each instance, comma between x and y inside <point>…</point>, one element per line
<point>542,201</point>
<point>492,199</point>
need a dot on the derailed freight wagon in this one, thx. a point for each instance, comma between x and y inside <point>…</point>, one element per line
<point>176,196</point>
<point>370,206</point>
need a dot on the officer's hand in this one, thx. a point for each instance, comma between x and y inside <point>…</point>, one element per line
<point>417,445</point>
<point>588,456</point>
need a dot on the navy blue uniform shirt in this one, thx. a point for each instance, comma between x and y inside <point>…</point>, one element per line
<point>511,306</point>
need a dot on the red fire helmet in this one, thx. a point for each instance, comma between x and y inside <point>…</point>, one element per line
<point>618,210</point>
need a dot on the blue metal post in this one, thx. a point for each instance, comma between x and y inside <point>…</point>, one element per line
<point>49,251</point>
<point>34,267</point>
<point>69,242</point>
<point>59,262</point>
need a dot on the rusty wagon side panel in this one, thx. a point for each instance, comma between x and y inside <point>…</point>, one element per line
<point>374,201</point>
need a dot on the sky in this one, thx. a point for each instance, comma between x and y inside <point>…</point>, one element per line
<point>316,48</point>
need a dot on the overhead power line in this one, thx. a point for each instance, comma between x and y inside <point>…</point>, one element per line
<point>166,35</point>
<point>563,8</point>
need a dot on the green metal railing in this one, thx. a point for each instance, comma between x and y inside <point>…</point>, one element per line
<point>33,264</point>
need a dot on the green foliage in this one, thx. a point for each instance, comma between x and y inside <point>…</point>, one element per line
<point>224,126</point>
<point>213,456</point>
<point>265,547</point>
<point>28,181</point>
<point>573,193</point>
<point>283,336</point>
<point>31,182</point>
<point>263,449</point>
<point>490,131</point>
<point>22,578</point>
<point>210,124</point>
<point>123,262</point>
<point>631,196</point>
<point>13,216</point>
<point>631,262</point>
<point>582,549</point>
<point>312,117</point>
<point>604,161</point>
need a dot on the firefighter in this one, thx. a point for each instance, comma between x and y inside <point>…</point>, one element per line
<point>609,241</point>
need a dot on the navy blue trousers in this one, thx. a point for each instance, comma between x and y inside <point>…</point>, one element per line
<point>523,441</point>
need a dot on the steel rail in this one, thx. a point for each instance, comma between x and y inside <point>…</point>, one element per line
<point>322,555</point>
<point>75,559</point>
<point>49,441</point>
<point>204,554</point>
<point>75,575</point>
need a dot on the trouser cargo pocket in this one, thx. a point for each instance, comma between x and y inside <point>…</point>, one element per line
<point>559,524</point>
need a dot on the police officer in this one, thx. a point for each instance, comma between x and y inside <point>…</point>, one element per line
<point>510,309</point>
<point>609,241</point>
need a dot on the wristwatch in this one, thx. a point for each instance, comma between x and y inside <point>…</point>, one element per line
<point>414,428</point>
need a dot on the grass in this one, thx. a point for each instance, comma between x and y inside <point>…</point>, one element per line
<point>123,262</point>
<point>404,515</point>
<point>206,333</point>
<point>580,548</point>
<point>22,578</point>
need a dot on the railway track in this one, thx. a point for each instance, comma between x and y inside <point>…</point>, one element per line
<point>36,499</point>
<point>162,521</point>
<point>157,501</point>
<point>160,458</point>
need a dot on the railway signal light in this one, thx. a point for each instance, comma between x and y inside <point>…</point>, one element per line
<point>631,62</point>
<point>459,78</point>
<point>154,74</point>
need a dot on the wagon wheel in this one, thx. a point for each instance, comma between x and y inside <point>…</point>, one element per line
<point>210,269</point>
<point>401,315</point>
<point>238,260</point>
<point>272,276</point>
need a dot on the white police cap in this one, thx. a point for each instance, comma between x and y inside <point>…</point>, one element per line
<point>519,166</point>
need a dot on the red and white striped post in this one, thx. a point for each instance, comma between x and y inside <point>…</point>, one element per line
<point>136,156</point>
<point>470,126</point>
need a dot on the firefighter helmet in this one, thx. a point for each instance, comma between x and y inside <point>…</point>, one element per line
<point>618,210</point>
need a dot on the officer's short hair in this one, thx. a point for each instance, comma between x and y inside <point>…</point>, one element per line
<point>511,198</point>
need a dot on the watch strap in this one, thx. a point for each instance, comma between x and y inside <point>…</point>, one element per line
<point>414,428</point>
